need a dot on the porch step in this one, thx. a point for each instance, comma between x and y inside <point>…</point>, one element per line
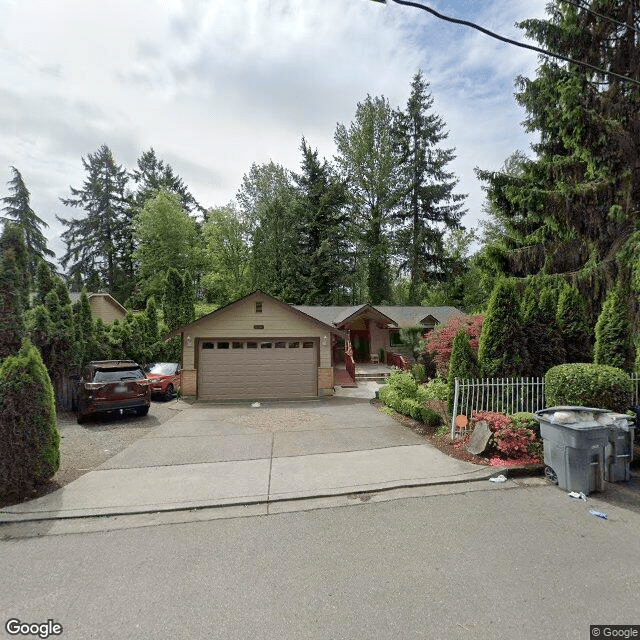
<point>372,377</point>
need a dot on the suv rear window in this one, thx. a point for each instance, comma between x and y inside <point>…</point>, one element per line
<point>118,375</point>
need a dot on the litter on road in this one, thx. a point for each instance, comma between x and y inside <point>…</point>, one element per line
<point>598,514</point>
<point>578,495</point>
<point>499,478</point>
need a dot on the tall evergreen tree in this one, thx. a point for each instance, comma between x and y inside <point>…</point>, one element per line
<point>572,320</point>
<point>83,339</point>
<point>12,243</point>
<point>153,175</point>
<point>320,225</point>
<point>614,336</point>
<point>574,207</point>
<point>173,299</point>
<point>12,305</point>
<point>17,209</point>
<point>366,160</point>
<point>99,245</point>
<point>429,206</point>
<point>502,346</point>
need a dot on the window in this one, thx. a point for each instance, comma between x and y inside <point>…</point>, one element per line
<point>223,345</point>
<point>308,345</point>
<point>265,345</point>
<point>281,345</point>
<point>207,345</point>
<point>294,345</point>
<point>252,345</point>
<point>258,307</point>
<point>237,345</point>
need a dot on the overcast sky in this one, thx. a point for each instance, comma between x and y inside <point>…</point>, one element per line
<point>215,85</point>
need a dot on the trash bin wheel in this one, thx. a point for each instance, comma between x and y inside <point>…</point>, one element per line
<point>551,475</point>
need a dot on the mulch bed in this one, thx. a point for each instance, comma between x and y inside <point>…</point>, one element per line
<point>445,444</point>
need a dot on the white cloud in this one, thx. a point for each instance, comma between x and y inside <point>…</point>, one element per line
<point>214,86</point>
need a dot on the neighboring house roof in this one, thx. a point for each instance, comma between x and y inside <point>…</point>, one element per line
<point>255,294</point>
<point>398,315</point>
<point>75,297</point>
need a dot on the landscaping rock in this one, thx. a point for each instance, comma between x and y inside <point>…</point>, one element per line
<point>479,438</point>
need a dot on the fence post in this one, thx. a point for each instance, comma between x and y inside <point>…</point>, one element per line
<point>455,410</point>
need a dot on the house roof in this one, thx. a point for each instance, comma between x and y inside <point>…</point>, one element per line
<point>75,297</point>
<point>256,293</point>
<point>398,315</point>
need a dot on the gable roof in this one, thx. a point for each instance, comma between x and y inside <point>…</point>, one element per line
<point>254,294</point>
<point>75,297</point>
<point>398,315</point>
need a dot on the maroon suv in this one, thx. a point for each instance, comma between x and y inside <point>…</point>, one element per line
<point>111,385</point>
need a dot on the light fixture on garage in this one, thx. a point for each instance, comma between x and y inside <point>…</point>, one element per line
<point>188,341</point>
<point>324,341</point>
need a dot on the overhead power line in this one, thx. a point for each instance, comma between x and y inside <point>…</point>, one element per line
<point>522,45</point>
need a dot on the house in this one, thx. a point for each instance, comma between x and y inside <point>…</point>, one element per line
<point>259,347</point>
<point>103,306</point>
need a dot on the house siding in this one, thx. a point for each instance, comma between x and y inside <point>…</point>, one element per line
<point>102,308</point>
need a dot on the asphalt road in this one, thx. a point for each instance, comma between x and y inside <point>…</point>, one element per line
<point>513,563</point>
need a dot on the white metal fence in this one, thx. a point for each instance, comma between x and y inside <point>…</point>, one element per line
<point>505,395</point>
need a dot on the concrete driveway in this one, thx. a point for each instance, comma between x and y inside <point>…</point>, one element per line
<point>214,455</point>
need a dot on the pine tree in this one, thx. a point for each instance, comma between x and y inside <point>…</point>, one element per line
<point>99,246</point>
<point>12,244</point>
<point>614,337</point>
<point>320,226</point>
<point>429,205</point>
<point>154,175</point>
<point>573,208</point>
<point>502,345</point>
<point>18,210</point>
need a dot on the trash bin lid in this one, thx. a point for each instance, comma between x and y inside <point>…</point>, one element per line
<point>582,418</point>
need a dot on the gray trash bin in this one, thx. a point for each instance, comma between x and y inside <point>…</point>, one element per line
<point>574,446</point>
<point>619,449</point>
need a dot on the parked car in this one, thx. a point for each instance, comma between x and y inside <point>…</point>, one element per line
<point>112,385</point>
<point>164,378</point>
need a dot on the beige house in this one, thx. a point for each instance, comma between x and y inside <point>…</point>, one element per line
<point>103,306</point>
<point>260,348</point>
<point>256,348</point>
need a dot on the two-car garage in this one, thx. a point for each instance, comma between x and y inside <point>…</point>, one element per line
<point>250,368</point>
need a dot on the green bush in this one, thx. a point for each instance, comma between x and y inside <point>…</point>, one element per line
<point>407,406</point>
<point>614,342</point>
<point>437,389</point>
<point>404,383</point>
<point>417,371</point>
<point>388,395</point>
<point>430,417</point>
<point>422,395</point>
<point>29,438</point>
<point>588,385</point>
<point>525,420</point>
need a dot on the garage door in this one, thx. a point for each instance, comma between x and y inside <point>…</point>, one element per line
<point>254,369</point>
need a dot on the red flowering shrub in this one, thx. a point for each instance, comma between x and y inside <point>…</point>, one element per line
<point>439,341</point>
<point>509,440</point>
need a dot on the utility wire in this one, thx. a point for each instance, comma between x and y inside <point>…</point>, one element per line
<point>522,45</point>
<point>600,15</point>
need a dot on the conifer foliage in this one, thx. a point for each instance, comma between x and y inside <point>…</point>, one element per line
<point>614,341</point>
<point>29,438</point>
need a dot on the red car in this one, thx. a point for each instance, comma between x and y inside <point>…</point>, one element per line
<point>164,378</point>
<point>112,385</point>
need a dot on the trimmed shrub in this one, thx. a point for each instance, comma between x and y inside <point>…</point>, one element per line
<point>388,395</point>
<point>588,385</point>
<point>417,371</point>
<point>29,438</point>
<point>408,405</point>
<point>463,363</point>
<point>437,389</point>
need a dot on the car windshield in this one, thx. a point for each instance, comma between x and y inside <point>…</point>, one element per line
<point>162,368</point>
<point>111,375</point>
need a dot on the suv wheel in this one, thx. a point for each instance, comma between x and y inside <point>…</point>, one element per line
<point>142,411</point>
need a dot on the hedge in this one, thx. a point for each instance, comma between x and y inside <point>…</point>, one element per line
<point>588,385</point>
